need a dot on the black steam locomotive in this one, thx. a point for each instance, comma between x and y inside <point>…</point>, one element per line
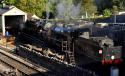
<point>70,40</point>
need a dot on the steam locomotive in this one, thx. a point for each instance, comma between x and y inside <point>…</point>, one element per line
<point>74,42</point>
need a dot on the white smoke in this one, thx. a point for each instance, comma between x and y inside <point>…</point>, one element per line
<point>60,10</point>
<point>66,9</point>
<point>75,10</point>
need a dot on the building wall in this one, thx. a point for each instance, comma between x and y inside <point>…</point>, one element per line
<point>12,12</point>
<point>0,23</point>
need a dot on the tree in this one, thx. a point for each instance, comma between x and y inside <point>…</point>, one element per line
<point>89,7</point>
<point>10,2</point>
<point>119,3</point>
<point>103,4</point>
<point>30,6</point>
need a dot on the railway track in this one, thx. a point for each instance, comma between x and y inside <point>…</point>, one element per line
<point>28,68</point>
<point>20,64</point>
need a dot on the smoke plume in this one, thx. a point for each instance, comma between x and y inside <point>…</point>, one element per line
<point>66,9</point>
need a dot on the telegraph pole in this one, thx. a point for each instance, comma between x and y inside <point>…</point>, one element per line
<point>115,17</point>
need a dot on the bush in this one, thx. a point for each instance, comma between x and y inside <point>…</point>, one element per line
<point>107,13</point>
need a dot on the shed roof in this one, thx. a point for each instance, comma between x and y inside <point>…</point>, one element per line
<point>11,10</point>
<point>32,16</point>
<point>2,10</point>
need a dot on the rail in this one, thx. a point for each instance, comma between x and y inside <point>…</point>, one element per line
<point>20,64</point>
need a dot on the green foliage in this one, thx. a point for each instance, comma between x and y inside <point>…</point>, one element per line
<point>105,7</point>
<point>10,2</point>
<point>119,3</point>
<point>32,6</point>
<point>107,13</point>
<point>37,7</point>
<point>89,7</point>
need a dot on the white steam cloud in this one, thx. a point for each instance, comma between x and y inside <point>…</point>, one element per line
<point>66,9</point>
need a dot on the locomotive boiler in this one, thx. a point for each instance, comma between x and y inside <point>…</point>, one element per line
<point>70,40</point>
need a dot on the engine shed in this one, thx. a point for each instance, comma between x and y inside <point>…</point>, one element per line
<point>12,19</point>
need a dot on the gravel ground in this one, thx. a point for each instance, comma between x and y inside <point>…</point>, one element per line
<point>6,71</point>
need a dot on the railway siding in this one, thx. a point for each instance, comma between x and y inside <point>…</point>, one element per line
<point>20,64</point>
